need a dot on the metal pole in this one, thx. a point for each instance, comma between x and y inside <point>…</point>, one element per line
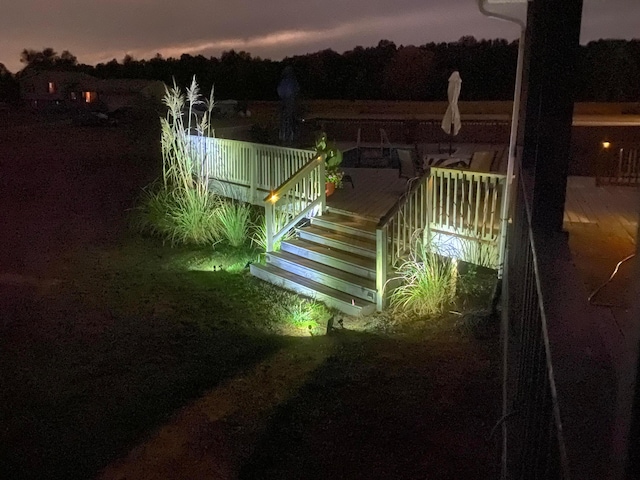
<point>506,200</point>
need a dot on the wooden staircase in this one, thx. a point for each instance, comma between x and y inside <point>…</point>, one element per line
<point>332,260</point>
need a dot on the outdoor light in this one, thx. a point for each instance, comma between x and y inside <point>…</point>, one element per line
<point>606,144</point>
<point>273,198</point>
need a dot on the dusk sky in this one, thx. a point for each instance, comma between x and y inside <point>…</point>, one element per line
<point>100,30</point>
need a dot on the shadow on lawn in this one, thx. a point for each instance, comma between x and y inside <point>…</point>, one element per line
<point>387,407</point>
<point>81,385</point>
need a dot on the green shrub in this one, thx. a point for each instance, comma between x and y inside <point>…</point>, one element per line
<point>234,221</point>
<point>428,282</point>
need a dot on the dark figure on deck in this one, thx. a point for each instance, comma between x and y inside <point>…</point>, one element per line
<point>288,91</point>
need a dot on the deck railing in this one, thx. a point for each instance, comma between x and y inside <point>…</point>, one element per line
<point>256,169</point>
<point>623,168</point>
<point>395,231</point>
<point>534,444</point>
<point>466,203</point>
<point>297,197</point>
<point>454,202</point>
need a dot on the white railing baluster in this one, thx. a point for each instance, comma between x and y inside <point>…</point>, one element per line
<point>256,169</point>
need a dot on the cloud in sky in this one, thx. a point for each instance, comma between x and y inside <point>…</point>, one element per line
<point>99,30</point>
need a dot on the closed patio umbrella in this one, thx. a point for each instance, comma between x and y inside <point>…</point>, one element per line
<point>451,122</point>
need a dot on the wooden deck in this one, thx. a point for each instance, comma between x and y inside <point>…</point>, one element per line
<point>602,223</point>
<point>613,209</point>
<point>375,191</point>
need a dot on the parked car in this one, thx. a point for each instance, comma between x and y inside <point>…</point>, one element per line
<point>90,119</point>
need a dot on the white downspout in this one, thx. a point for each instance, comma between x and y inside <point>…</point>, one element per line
<point>506,201</point>
<point>504,218</point>
<point>513,138</point>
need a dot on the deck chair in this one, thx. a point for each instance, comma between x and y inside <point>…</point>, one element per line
<point>408,167</point>
<point>482,161</point>
<point>447,163</point>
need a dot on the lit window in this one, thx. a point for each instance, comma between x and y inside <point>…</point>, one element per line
<point>52,87</point>
<point>89,96</point>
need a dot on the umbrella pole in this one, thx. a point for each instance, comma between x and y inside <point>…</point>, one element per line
<point>451,138</point>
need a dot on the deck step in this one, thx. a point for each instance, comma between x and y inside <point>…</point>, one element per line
<point>357,245</point>
<point>349,225</point>
<point>348,283</point>
<point>333,298</point>
<point>333,260</point>
<point>348,262</point>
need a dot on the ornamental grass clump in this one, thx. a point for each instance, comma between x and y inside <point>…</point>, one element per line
<point>428,282</point>
<point>180,208</point>
<point>477,252</point>
<point>259,237</point>
<point>234,222</point>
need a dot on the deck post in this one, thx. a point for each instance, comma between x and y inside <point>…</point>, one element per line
<point>429,206</point>
<point>253,174</point>
<point>550,80</point>
<point>269,217</point>
<point>321,184</point>
<point>381,267</point>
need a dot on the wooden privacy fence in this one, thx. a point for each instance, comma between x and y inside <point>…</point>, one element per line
<point>245,171</point>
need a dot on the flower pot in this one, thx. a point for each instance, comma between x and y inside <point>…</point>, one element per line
<point>329,188</point>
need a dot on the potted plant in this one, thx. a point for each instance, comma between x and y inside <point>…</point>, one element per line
<point>333,179</point>
<point>333,159</point>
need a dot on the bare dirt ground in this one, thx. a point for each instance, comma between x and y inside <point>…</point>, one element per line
<point>115,366</point>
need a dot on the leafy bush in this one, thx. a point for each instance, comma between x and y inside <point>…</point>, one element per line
<point>428,282</point>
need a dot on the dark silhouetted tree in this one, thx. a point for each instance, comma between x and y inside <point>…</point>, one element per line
<point>406,74</point>
<point>47,58</point>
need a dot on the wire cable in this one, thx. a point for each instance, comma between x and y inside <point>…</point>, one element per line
<point>615,271</point>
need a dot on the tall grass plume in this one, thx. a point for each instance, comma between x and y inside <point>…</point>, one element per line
<point>180,208</point>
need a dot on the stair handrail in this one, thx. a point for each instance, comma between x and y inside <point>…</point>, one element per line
<point>395,229</point>
<point>301,194</point>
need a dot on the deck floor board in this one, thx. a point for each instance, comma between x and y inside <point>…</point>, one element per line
<point>375,191</point>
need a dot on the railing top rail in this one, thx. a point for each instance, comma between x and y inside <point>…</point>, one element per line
<point>468,173</point>
<point>252,144</point>
<point>295,178</point>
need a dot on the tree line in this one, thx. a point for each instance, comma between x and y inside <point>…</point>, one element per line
<point>609,70</point>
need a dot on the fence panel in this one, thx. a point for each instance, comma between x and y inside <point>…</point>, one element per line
<point>623,168</point>
<point>534,447</point>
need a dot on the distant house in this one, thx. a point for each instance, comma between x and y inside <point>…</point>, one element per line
<point>122,92</point>
<point>42,89</point>
<point>226,107</point>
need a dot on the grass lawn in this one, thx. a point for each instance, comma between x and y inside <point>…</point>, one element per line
<point>125,358</point>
